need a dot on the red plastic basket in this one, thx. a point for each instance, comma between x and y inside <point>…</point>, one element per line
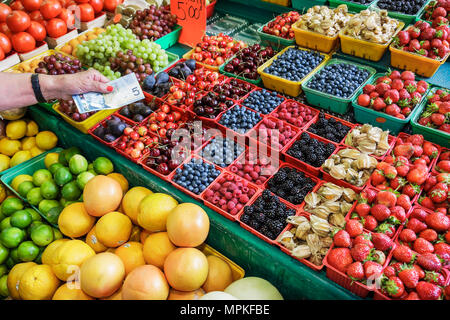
<point>148,99</point>
<point>253,88</point>
<point>443,150</point>
<point>222,78</point>
<point>315,113</point>
<point>224,129</point>
<point>403,135</point>
<point>210,9</point>
<point>329,116</point>
<point>103,123</point>
<point>259,89</point>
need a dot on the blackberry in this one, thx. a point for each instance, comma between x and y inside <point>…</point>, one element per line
<point>245,218</point>
<point>266,195</point>
<point>254,224</point>
<point>260,217</point>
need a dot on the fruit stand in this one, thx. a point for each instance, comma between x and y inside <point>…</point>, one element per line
<point>361,185</point>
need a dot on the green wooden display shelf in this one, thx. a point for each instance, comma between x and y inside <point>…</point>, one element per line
<point>293,279</point>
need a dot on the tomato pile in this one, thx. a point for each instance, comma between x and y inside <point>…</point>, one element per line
<point>215,50</point>
<point>437,112</point>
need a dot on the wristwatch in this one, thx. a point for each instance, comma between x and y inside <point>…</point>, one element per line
<point>37,88</point>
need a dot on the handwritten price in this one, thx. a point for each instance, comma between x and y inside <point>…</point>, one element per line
<point>194,8</point>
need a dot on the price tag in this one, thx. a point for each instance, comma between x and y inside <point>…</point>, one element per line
<point>192,17</point>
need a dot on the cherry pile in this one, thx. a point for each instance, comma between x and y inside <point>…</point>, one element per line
<point>233,89</point>
<point>164,121</point>
<point>152,23</point>
<point>204,79</point>
<point>69,108</point>
<point>294,113</point>
<point>211,105</point>
<point>127,62</point>
<point>281,26</point>
<point>182,94</point>
<point>215,50</point>
<point>58,64</point>
<point>161,156</point>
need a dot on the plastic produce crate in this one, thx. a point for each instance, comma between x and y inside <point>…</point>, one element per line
<point>277,43</point>
<point>328,101</point>
<point>381,119</point>
<point>314,40</point>
<point>237,271</point>
<point>282,85</point>
<point>352,6</point>
<point>210,9</point>
<point>256,82</point>
<point>169,39</point>
<point>406,18</point>
<point>365,49</point>
<point>434,135</point>
<point>329,116</point>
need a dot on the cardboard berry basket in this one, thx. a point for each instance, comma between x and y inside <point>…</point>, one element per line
<point>299,163</point>
<point>10,60</point>
<point>403,135</point>
<point>329,116</point>
<point>260,89</point>
<point>314,111</point>
<point>103,124</point>
<point>315,179</point>
<point>216,207</point>
<point>257,233</point>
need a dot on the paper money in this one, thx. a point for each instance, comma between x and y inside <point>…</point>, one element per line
<point>126,90</point>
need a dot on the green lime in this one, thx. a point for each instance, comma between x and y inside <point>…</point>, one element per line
<point>70,191</point>
<point>70,153</point>
<point>4,253</point>
<point>103,165</point>
<point>63,176</point>
<point>14,254</point>
<point>2,216</point>
<point>92,171</point>
<point>11,205</point>
<point>28,251</point>
<point>83,178</point>
<point>4,286</point>
<point>3,269</point>
<point>10,263</point>
<point>21,219</point>
<point>49,190</point>
<point>11,237</point>
<point>78,164</point>
<point>35,216</point>
<point>42,235</point>
<point>57,234</point>
<point>33,226</point>
<point>40,176</point>
<point>53,214</point>
<point>62,158</point>
<point>6,223</point>
<point>34,196</point>
<point>46,205</point>
<point>24,188</point>
<point>54,167</point>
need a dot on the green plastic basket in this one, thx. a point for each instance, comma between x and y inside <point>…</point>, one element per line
<point>306,4</point>
<point>48,106</point>
<point>437,136</point>
<point>352,6</point>
<point>330,102</point>
<point>169,39</point>
<point>381,119</point>
<point>406,18</point>
<point>257,82</point>
<point>27,167</point>
<point>173,58</point>
<point>277,43</point>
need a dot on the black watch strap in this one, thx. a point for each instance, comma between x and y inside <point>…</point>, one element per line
<point>37,88</point>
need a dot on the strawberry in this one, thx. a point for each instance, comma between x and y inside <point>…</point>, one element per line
<point>434,278</point>
<point>407,235</point>
<point>447,292</point>
<point>423,84</point>
<point>391,96</point>
<point>377,177</point>
<point>402,38</point>
<point>419,214</point>
<point>355,271</point>
<point>372,270</point>
<point>428,291</point>
<point>393,286</point>
<point>439,193</point>
<point>386,198</point>
<point>363,209</point>
<point>342,239</point>
<point>381,241</point>
<point>411,190</point>
<point>430,183</point>
<point>402,170</point>
<point>403,253</point>
<point>378,104</point>
<point>360,252</point>
<point>438,221</point>
<point>429,235</point>
<point>427,203</point>
<point>442,250</point>
<point>419,271</point>
<point>415,97</point>
<point>416,225</point>
<point>409,277</point>
<point>428,34</point>
<point>414,33</point>
<point>399,213</point>
<point>417,175</point>
<point>430,150</point>
<point>404,201</point>
<point>382,88</point>
<point>368,88</point>
<point>380,212</point>
<point>397,84</point>
<point>340,258</point>
<point>423,246</point>
<point>412,296</point>
<point>418,151</point>
<point>429,261</point>
<point>405,150</point>
<point>354,228</point>
<point>363,239</point>
<point>370,223</point>
<point>389,271</point>
<point>437,118</point>
<point>394,75</point>
<point>397,183</point>
<point>404,96</point>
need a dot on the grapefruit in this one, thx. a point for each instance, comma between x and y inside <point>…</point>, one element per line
<point>94,243</point>
<point>74,221</point>
<point>187,225</point>
<point>220,275</point>
<point>102,275</point>
<point>68,258</point>
<point>181,295</point>
<point>14,277</point>
<point>102,195</point>
<point>131,255</point>
<point>38,283</point>
<point>146,282</point>
<point>113,229</point>
<point>116,296</point>
<point>153,211</point>
<point>132,200</point>
<point>121,180</point>
<point>143,235</point>
<point>67,292</point>
<point>157,247</point>
<point>186,269</point>
<point>49,254</point>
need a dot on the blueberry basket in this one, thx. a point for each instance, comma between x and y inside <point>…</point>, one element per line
<point>406,18</point>
<point>328,101</point>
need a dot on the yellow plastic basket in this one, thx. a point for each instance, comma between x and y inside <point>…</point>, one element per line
<point>421,65</point>
<point>365,49</point>
<point>85,125</point>
<point>238,272</point>
<point>279,84</point>
<point>286,3</point>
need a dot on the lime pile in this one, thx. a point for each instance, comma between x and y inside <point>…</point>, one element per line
<point>61,183</point>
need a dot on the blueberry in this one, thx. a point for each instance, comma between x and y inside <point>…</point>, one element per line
<point>196,175</point>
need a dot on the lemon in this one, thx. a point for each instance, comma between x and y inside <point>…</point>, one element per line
<point>46,140</point>
<point>16,129</point>
<point>4,162</point>
<point>2,193</point>
<point>20,157</point>
<point>50,159</point>
<point>19,179</point>
<point>35,151</point>
<point>32,129</point>
<point>9,147</point>
<point>28,143</point>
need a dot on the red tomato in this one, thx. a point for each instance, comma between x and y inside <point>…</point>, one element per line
<point>17,5</point>
<point>31,5</point>
<point>86,12</point>
<point>4,11</point>
<point>68,17</point>
<point>110,5</point>
<point>36,16</point>
<point>2,54</point>
<point>5,30</point>
<point>50,9</point>
<point>37,31</point>
<point>5,43</point>
<point>23,42</point>
<point>56,28</point>
<point>18,21</point>
<point>81,1</point>
<point>97,5</point>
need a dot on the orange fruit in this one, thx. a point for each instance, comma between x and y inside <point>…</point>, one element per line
<point>121,180</point>
<point>38,283</point>
<point>74,221</point>
<point>67,292</point>
<point>181,295</point>
<point>93,242</point>
<point>220,275</point>
<point>131,255</point>
<point>113,229</point>
<point>157,247</point>
<point>153,211</point>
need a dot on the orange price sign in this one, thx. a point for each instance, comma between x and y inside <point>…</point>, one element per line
<point>192,17</point>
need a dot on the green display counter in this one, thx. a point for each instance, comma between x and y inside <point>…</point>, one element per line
<point>293,279</point>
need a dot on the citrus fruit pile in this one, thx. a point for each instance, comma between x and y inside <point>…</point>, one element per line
<point>23,141</point>
<point>23,238</point>
<point>61,182</point>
